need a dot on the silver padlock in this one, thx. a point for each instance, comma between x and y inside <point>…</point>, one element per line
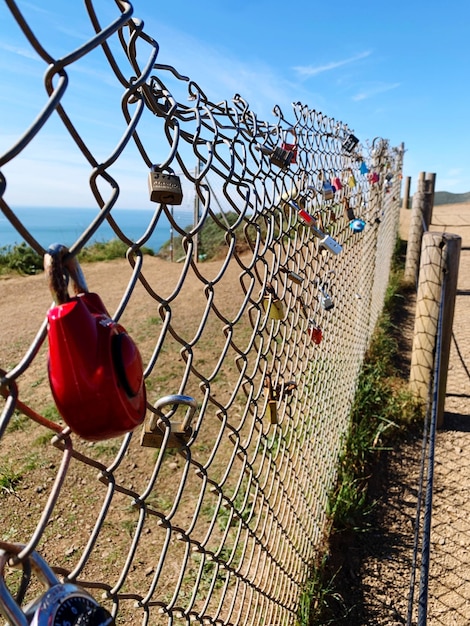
<point>326,240</point>
<point>165,186</point>
<point>154,432</point>
<point>61,603</point>
<point>325,300</point>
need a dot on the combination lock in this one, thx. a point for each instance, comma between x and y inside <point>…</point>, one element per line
<point>62,604</point>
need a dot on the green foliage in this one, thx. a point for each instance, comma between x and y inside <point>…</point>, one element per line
<point>9,478</point>
<point>107,251</point>
<point>212,238</point>
<point>21,259</point>
<point>382,410</point>
<point>318,594</point>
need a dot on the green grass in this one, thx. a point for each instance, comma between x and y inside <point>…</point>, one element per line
<point>9,478</point>
<point>383,410</point>
<point>23,260</point>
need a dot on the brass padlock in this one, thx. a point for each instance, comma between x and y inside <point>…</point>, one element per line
<point>61,603</point>
<point>155,430</point>
<point>275,394</point>
<point>271,406</point>
<point>165,186</point>
<point>272,305</point>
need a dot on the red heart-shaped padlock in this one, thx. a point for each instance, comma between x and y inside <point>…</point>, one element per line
<point>95,368</point>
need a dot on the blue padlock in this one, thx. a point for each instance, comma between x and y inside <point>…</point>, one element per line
<point>357,225</point>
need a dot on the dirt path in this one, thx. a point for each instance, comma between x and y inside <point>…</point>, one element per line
<point>376,581</point>
<point>386,572</point>
<point>449,584</point>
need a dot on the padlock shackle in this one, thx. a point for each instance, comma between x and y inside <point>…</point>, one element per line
<point>174,401</point>
<point>60,267</point>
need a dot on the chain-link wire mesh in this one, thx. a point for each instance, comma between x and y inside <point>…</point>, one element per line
<point>214,508</point>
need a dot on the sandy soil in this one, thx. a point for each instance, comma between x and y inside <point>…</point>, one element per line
<point>378,575</point>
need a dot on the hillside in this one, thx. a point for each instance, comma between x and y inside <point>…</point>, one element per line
<point>446,197</point>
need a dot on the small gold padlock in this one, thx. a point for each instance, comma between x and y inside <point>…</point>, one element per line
<point>272,305</point>
<point>165,186</point>
<point>271,406</point>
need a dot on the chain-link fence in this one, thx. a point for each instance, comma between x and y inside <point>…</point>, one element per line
<point>213,507</point>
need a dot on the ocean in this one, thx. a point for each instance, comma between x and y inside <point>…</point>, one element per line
<point>58,225</point>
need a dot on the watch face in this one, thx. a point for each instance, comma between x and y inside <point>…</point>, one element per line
<point>62,605</point>
<point>70,610</point>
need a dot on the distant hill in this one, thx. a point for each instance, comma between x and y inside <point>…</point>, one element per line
<point>445,197</point>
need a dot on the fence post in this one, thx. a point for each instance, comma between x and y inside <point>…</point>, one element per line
<point>421,215</point>
<point>438,274</point>
<point>452,261</point>
<point>429,186</point>
<point>406,193</point>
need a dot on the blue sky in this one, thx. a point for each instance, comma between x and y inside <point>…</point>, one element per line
<point>397,70</point>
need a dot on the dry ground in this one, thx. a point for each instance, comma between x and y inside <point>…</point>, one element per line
<point>376,579</point>
<point>379,564</point>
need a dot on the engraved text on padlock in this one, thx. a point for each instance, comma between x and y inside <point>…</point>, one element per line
<point>165,187</point>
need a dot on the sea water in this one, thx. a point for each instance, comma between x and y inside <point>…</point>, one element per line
<point>64,226</point>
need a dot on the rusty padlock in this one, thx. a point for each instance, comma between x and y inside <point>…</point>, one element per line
<point>315,332</point>
<point>95,369</point>
<point>59,604</point>
<point>155,431</point>
<point>275,394</point>
<point>165,186</point>
<point>348,210</point>
<point>272,304</point>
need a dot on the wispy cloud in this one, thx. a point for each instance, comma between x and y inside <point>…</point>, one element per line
<point>307,71</point>
<point>374,90</point>
<point>22,52</point>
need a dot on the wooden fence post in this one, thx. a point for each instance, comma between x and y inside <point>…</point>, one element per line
<point>429,186</point>
<point>421,218</point>
<point>438,275</point>
<point>452,261</point>
<point>406,193</point>
<point>415,233</point>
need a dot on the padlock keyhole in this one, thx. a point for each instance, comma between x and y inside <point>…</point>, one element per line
<point>128,364</point>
